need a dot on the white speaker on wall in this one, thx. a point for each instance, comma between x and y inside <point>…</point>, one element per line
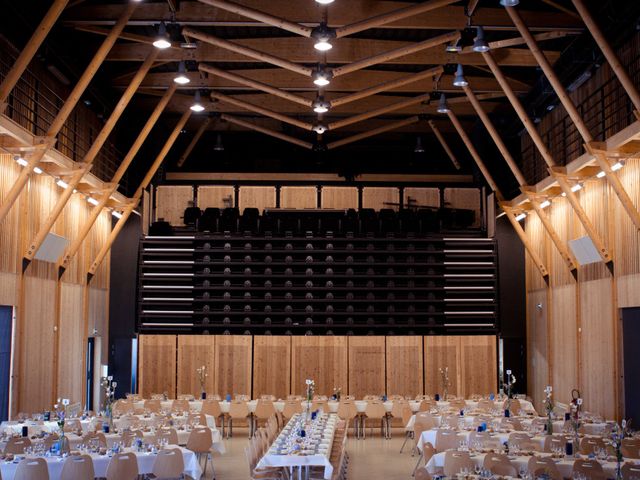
<point>584,250</point>
<point>52,248</point>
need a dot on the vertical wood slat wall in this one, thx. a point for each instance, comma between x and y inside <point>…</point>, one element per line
<point>573,325</point>
<point>279,365</point>
<point>32,389</point>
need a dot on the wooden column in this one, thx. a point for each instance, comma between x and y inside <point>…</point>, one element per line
<point>609,54</point>
<point>135,200</point>
<point>573,113</point>
<point>444,144</point>
<point>63,264</point>
<point>194,141</point>
<point>502,148</point>
<point>67,108</point>
<point>546,155</point>
<point>90,156</point>
<point>508,210</point>
<point>29,51</point>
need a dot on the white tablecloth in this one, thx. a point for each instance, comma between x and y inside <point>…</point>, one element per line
<point>565,466</point>
<point>496,438</point>
<point>100,463</point>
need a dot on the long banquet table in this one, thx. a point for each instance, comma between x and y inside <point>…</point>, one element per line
<point>100,463</point>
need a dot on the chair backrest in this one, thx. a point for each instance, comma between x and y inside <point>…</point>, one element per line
<point>590,469</point>
<point>121,407</point>
<point>16,445</point>
<point>152,405</point>
<point>78,467</point>
<point>32,469</point>
<point>264,409</point>
<point>291,407</point>
<point>398,407</point>
<point>375,409</point>
<point>630,471</point>
<point>200,440</point>
<point>211,407</point>
<point>197,419</point>
<point>518,438</point>
<point>127,437</point>
<point>123,466</point>
<point>589,445</point>
<point>72,425</point>
<point>446,440</point>
<point>422,473</point>
<point>427,405</point>
<point>168,464</point>
<point>238,410</point>
<point>186,396</point>
<point>96,437</point>
<point>347,410</point>
<point>480,439</point>
<point>180,405</point>
<point>499,464</point>
<point>455,462</point>
<point>169,433</point>
<point>544,465</point>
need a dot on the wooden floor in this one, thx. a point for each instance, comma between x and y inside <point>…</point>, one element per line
<point>373,458</point>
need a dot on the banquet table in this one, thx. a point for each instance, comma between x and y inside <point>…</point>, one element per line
<point>565,465</point>
<point>318,457</point>
<point>100,463</point>
<point>497,439</point>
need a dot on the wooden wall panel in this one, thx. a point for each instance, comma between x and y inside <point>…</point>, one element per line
<point>71,345</point>
<point>541,244</point>
<point>271,366</point>
<point>233,357</point>
<point>216,196</point>
<point>298,197</point>
<point>323,359</point>
<point>366,366</point>
<point>93,244</point>
<point>194,351</point>
<point>9,235</point>
<point>421,197</point>
<point>404,366</point>
<point>628,291</point>
<point>339,197</point>
<point>257,197</point>
<point>380,197</point>
<point>171,201</point>
<point>99,319</point>
<point>566,224</point>
<point>564,341</point>
<point>467,198</point>
<point>479,362</point>
<point>597,340</point>
<point>8,289</point>
<point>627,241</point>
<point>36,350</point>
<point>596,202</point>
<point>440,352</point>
<point>538,350</point>
<point>157,365</point>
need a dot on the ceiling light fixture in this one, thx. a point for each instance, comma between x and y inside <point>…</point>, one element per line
<point>62,184</point>
<point>459,80</point>
<point>443,107</point>
<point>181,77</point>
<point>219,146</point>
<point>92,201</point>
<point>576,187</point>
<point>37,170</point>
<point>545,204</point>
<point>323,35</point>
<point>20,161</point>
<point>509,3</point>
<point>162,40</point>
<point>118,215</point>
<point>320,105</point>
<point>322,76</point>
<point>601,174</point>
<point>319,128</point>
<point>480,45</point>
<point>454,47</point>
<point>521,217</point>
<point>418,148</point>
<point>324,2</point>
<point>617,166</point>
<point>197,103</point>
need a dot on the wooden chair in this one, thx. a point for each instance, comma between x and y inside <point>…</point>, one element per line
<point>237,411</point>
<point>169,464</point>
<point>544,465</point>
<point>589,445</point>
<point>200,442</point>
<point>375,410</point>
<point>427,452</point>
<point>78,467</point>
<point>153,406</point>
<point>212,407</point>
<point>32,469</point>
<point>291,407</point>
<point>455,462</point>
<point>446,440</point>
<point>422,474</point>
<point>630,471</point>
<point>180,405</point>
<point>169,433</point>
<point>499,464</point>
<point>264,411</point>
<point>73,426</point>
<point>590,469</point>
<point>123,466</point>
<point>16,445</point>
<point>260,474</point>
<point>197,419</point>
<point>128,436</point>
<point>631,447</point>
<point>409,432</point>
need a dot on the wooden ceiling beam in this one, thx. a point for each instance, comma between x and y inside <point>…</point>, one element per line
<point>514,42</point>
<point>266,131</point>
<point>445,145</point>
<point>194,141</point>
<point>379,111</point>
<point>342,13</point>
<point>371,133</point>
<point>301,51</point>
<point>509,212</point>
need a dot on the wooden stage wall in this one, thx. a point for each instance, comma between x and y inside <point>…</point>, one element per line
<point>279,365</point>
